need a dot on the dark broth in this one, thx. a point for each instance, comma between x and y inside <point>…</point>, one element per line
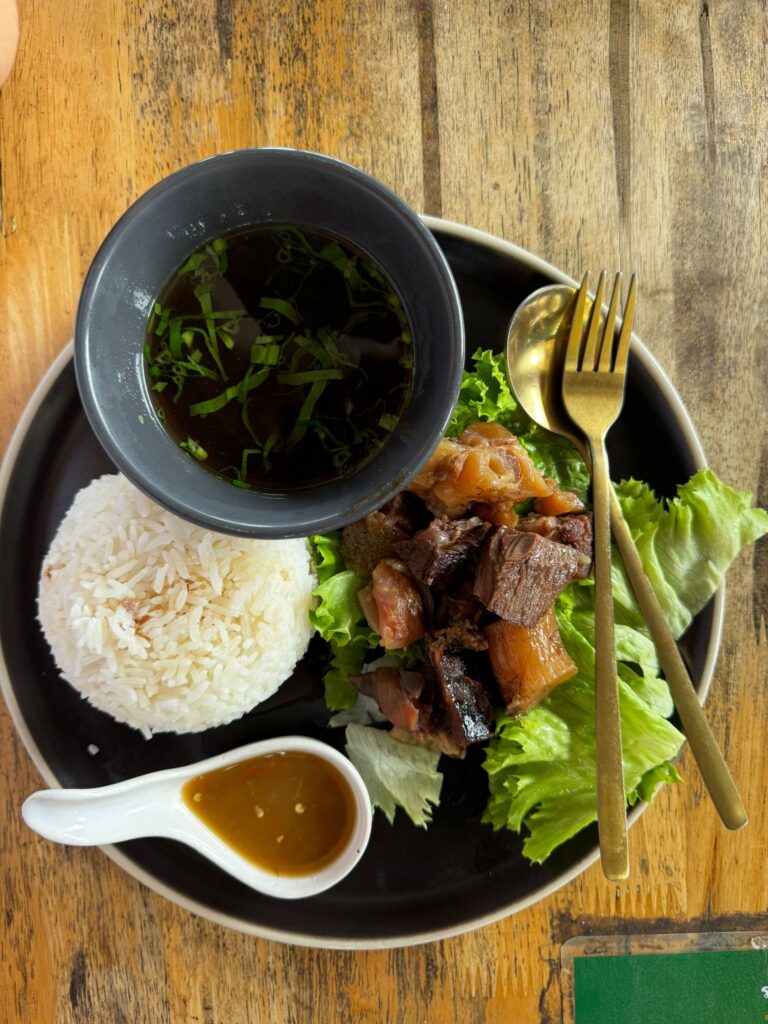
<point>279,358</point>
<point>290,813</point>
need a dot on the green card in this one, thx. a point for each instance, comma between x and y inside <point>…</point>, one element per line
<point>675,988</point>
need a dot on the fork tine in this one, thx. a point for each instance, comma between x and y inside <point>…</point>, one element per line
<point>606,350</point>
<point>574,337</point>
<point>622,352</point>
<point>589,361</point>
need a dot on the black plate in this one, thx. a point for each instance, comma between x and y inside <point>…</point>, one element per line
<point>412,885</point>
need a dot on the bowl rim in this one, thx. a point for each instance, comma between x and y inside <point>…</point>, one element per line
<point>483,239</point>
<point>256,513</point>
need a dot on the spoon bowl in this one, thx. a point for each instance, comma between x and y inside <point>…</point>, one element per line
<point>536,343</point>
<point>152,805</point>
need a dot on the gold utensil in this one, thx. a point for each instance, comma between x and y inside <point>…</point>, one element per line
<point>593,394</point>
<point>536,343</point>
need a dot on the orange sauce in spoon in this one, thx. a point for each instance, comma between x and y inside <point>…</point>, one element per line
<point>290,813</point>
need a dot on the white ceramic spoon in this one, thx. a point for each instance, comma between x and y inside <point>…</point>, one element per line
<point>152,805</point>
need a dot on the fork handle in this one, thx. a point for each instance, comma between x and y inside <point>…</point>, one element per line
<point>611,801</point>
<point>712,766</point>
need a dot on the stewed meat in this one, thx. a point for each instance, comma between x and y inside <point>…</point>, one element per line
<point>397,694</point>
<point>528,663</point>
<point>439,553</point>
<point>573,530</point>
<point>519,575</point>
<point>462,706</point>
<point>365,542</point>
<point>558,503</point>
<point>485,464</point>
<point>392,606</point>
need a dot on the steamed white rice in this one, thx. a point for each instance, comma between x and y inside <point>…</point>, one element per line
<point>164,625</point>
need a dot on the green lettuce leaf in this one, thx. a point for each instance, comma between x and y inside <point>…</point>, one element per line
<point>542,766</point>
<point>485,395</point>
<point>687,544</point>
<point>339,620</point>
<point>395,774</point>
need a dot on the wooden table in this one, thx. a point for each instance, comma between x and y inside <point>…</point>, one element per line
<point>594,134</point>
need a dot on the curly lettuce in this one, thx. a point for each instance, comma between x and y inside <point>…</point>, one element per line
<point>339,620</point>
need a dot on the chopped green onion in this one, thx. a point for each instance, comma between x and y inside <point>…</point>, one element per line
<point>196,450</point>
<point>305,413</point>
<point>388,421</point>
<point>282,307</point>
<point>309,376</point>
<point>270,443</point>
<point>219,245</point>
<point>265,355</point>
<point>244,461</point>
<point>214,404</point>
<point>224,338</point>
<point>192,264</point>
<point>203,296</point>
<point>250,382</point>
<point>174,338</point>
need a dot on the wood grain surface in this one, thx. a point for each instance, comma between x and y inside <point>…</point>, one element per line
<point>628,135</point>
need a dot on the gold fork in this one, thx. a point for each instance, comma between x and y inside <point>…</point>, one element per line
<point>593,394</point>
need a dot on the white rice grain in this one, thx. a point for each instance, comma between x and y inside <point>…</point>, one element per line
<point>164,625</point>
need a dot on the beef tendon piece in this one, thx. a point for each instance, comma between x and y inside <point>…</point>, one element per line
<point>397,694</point>
<point>519,575</point>
<point>528,663</point>
<point>503,514</point>
<point>573,530</point>
<point>393,607</point>
<point>439,553</point>
<point>486,464</point>
<point>462,708</point>
<point>558,503</point>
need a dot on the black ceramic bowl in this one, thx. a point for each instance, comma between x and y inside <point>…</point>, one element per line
<point>176,217</point>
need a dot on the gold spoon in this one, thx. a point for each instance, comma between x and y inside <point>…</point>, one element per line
<point>536,344</point>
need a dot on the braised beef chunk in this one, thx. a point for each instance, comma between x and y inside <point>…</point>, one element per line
<point>465,634</point>
<point>462,707</point>
<point>519,575</point>
<point>407,512</point>
<point>393,606</point>
<point>366,542</point>
<point>461,606</point>
<point>573,530</point>
<point>437,554</point>
<point>396,692</point>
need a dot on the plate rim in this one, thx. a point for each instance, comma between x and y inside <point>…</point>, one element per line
<point>489,241</point>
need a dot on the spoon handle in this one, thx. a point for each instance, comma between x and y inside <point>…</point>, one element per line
<point>611,801</point>
<point>96,817</point>
<point>712,766</point>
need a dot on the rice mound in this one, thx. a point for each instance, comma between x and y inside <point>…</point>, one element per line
<point>166,626</point>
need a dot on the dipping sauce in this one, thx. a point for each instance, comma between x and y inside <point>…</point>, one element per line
<point>289,813</point>
<point>279,357</point>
